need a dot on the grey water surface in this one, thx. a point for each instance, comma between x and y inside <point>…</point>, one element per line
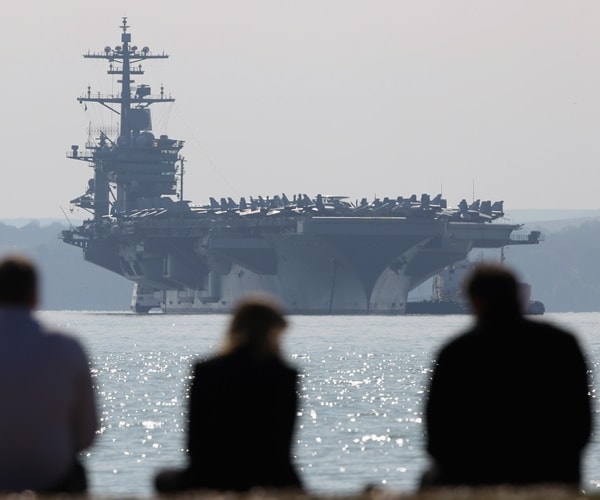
<point>362,386</point>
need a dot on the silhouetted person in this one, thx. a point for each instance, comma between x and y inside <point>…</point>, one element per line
<point>48,412</point>
<point>509,399</point>
<point>242,410</point>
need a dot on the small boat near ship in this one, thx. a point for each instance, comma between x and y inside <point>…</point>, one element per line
<point>447,294</point>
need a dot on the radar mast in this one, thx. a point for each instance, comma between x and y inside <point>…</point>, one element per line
<point>134,169</point>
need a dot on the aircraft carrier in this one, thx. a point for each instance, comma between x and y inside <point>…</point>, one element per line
<point>318,254</point>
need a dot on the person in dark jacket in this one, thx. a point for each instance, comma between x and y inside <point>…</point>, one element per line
<point>509,399</point>
<point>49,414</point>
<point>242,410</point>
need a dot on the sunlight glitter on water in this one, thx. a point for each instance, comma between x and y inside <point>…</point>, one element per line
<point>361,389</point>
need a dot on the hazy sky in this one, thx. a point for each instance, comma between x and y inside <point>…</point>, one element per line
<point>499,99</point>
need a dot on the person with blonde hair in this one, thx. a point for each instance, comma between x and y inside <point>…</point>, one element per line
<point>242,410</point>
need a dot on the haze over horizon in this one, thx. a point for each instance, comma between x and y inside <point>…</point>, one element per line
<point>490,99</point>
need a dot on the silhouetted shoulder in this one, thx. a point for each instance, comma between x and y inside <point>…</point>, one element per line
<point>66,348</point>
<point>522,331</point>
<point>237,364</point>
<point>545,337</point>
<point>548,330</point>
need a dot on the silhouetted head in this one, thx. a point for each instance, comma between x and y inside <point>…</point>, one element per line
<point>257,324</point>
<point>18,282</point>
<point>493,292</point>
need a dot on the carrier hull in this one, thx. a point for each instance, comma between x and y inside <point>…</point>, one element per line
<point>313,265</point>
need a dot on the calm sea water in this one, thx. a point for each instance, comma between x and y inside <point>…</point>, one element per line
<point>360,419</point>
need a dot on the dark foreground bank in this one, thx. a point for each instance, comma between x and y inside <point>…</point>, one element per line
<point>500,493</point>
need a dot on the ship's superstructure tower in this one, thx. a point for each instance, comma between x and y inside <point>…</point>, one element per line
<point>135,168</point>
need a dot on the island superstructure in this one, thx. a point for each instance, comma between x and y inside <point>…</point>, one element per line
<point>318,254</point>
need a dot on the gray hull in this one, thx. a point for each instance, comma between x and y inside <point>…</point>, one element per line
<point>318,265</point>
